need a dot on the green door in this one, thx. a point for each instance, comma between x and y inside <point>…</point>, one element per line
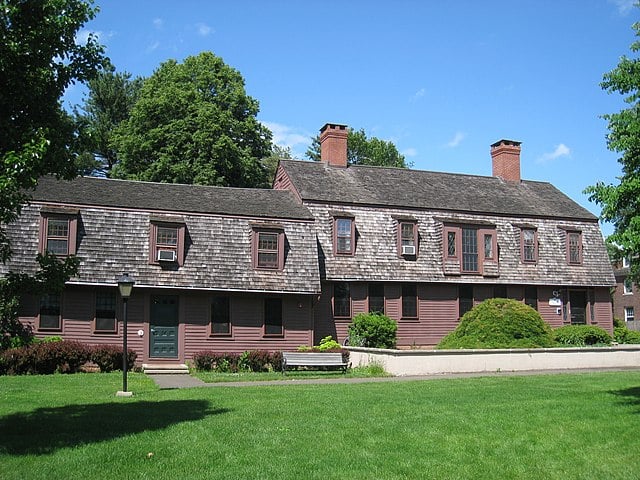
<point>164,326</point>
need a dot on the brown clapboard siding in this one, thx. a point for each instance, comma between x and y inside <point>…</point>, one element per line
<point>247,325</point>
<point>603,312</point>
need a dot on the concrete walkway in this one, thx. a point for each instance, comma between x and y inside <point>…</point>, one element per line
<point>170,381</point>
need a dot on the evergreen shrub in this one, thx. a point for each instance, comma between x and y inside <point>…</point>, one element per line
<point>373,330</point>
<point>499,323</point>
<point>581,335</point>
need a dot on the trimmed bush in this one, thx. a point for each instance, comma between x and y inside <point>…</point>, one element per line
<point>624,336</point>
<point>499,323</point>
<point>225,362</point>
<point>581,335</point>
<point>109,357</point>
<point>373,330</point>
<point>45,358</point>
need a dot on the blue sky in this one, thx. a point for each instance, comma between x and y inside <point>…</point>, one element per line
<point>442,80</point>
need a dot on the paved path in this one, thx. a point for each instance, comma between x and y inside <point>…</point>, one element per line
<point>171,381</point>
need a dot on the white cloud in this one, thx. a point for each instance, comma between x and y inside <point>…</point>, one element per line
<point>153,46</point>
<point>418,95</point>
<point>82,37</point>
<point>455,141</point>
<point>286,136</point>
<point>158,23</point>
<point>560,151</point>
<point>409,152</point>
<point>624,6</point>
<point>204,30</point>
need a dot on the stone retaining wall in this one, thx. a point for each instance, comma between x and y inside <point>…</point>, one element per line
<point>429,362</point>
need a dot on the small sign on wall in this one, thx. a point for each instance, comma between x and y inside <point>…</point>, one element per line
<point>555,302</point>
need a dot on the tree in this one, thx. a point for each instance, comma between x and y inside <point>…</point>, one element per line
<point>364,151</point>
<point>109,102</point>
<point>621,203</point>
<point>39,59</point>
<point>270,163</point>
<point>194,123</point>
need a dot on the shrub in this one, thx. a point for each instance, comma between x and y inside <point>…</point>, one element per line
<point>259,360</point>
<point>623,335</point>
<point>225,362</point>
<point>499,323</point>
<point>581,335</point>
<point>328,343</point>
<point>109,357</point>
<point>373,330</point>
<point>45,358</point>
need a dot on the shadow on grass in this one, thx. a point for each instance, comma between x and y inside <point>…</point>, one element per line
<point>46,430</point>
<point>630,396</point>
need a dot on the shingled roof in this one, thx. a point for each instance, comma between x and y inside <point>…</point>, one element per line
<point>405,188</point>
<point>251,202</point>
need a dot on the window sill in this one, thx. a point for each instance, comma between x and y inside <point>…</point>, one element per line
<point>342,319</point>
<point>221,335</point>
<point>273,336</point>
<point>50,330</point>
<point>410,319</point>
<point>105,332</point>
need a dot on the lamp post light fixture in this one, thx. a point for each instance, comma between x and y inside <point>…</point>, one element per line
<point>125,285</point>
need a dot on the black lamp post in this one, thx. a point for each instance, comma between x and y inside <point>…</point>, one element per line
<point>125,285</point>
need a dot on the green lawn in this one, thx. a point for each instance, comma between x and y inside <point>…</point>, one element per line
<point>548,426</point>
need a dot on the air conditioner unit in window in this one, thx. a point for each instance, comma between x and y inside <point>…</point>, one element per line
<point>166,256</point>
<point>408,249</point>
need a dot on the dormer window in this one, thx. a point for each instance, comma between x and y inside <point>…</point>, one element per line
<point>529,245</point>
<point>167,242</point>
<point>574,248</point>
<point>408,238</point>
<point>268,248</point>
<point>58,232</point>
<point>344,235</point>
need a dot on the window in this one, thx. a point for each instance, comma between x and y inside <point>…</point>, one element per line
<point>167,243</point>
<point>529,245</point>
<point>376,297</point>
<point>531,297</point>
<point>574,248</point>
<point>628,286</point>
<point>499,291</point>
<point>341,300</point>
<point>628,314</point>
<point>451,244</point>
<point>408,239</point>
<point>465,299</point>
<point>273,317</point>
<point>105,312</point>
<point>488,246</point>
<point>58,234</point>
<point>409,300</point>
<point>220,317</point>
<point>344,235</point>
<point>267,250</point>
<point>49,312</point>
<point>626,263</point>
<point>469,250</point>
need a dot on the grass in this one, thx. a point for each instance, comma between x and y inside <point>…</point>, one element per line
<point>570,426</point>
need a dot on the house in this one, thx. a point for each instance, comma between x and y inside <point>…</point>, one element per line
<point>231,269</point>
<point>626,295</point>
<point>424,247</point>
<point>215,268</point>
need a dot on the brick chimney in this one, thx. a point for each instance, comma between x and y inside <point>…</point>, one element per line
<point>333,144</point>
<point>505,156</point>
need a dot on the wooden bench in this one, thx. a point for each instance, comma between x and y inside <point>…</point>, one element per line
<point>298,359</point>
